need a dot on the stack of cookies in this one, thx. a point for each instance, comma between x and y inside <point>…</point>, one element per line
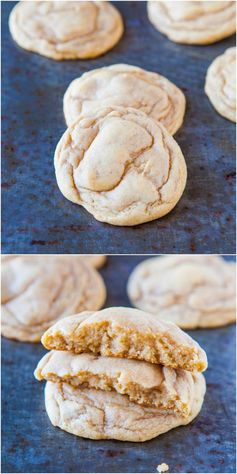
<point>121,373</point>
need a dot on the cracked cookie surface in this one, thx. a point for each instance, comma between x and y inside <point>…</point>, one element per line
<point>191,291</point>
<point>127,86</point>
<point>127,333</point>
<point>38,290</point>
<point>220,85</point>
<point>120,165</point>
<point>146,384</point>
<point>98,414</point>
<point>66,30</point>
<point>193,22</point>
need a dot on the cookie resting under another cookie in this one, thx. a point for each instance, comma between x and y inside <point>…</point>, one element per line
<point>127,86</point>
<point>66,29</point>
<point>127,333</point>
<point>193,22</point>
<point>98,414</point>
<point>220,85</point>
<point>192,291</point>
<point>39,290</point>
<point>120,165</point>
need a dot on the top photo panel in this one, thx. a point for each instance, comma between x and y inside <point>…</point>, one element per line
<point>118,127</point>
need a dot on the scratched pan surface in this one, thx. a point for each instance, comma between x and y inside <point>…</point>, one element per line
<point>38,219</point>
<point>32,444</point>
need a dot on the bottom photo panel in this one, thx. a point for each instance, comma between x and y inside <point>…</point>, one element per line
<point>118,364</point>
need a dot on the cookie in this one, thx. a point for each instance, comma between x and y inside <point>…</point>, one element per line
<point>191,291</point>
<point>146,384</point>
<point>127,333</point>
<point>99,414</point>
<point>120,165</point>
<point>193,22</point>
<point>127,86</point>
<point>66,30</point>
<point>220,85</point>
<point>39,290</point>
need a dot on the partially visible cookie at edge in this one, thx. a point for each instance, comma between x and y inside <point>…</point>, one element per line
<point>220,85</point>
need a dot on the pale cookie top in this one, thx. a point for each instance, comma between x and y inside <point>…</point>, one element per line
<point>126,86</point>
<point>143,383</point>
<point>191,291</point>
<point>127,333</point>
<point>98,414</point>
<point>193,22</point>
<point>121,165</point>
<point>66,30</point>
<point>220,84</point>
<point>38,290</point>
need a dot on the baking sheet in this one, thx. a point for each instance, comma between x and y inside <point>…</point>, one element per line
<point>38,219</point>
<point>31,444</point>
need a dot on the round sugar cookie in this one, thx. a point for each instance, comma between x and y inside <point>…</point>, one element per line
<point>121,166</point>
<point>66,29</point>
<point>191,291</point>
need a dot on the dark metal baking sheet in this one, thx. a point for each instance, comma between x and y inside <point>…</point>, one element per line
<point>38,219</point>
<point>31,444</point>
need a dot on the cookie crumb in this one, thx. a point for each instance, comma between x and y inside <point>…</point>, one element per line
<point>162,467</point>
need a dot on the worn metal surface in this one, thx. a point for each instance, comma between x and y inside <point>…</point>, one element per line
<point>37,218</point>
<point>31,444</point>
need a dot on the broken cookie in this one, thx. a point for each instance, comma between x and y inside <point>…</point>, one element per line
<point>118,373</point>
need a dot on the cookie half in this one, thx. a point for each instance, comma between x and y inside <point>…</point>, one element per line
<point>66,30</point>
<point>146,384</point>
<point>191,291</point>
<point>98,414</point>
<point>127,333</point>
<point>127,86</point>
<point>198,22</point>
<point>120,165</point>
<point>220,85</point>
<point>39,290</point>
